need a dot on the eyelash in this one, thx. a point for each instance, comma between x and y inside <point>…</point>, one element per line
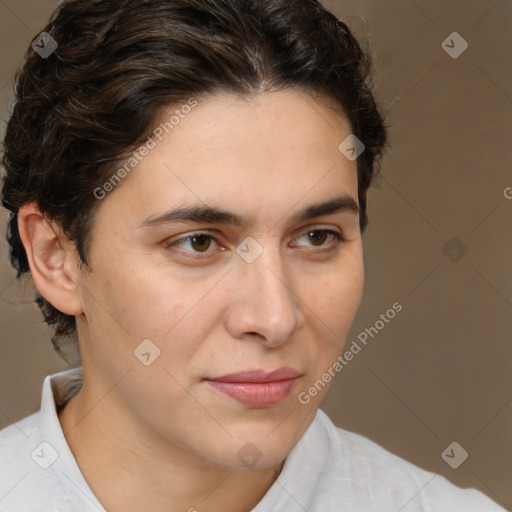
<point>338,240</point>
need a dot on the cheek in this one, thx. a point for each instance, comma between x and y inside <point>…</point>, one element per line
<point>332,306</point>
<point>136,300</point>
<point>337,298</point>
<point>137,295</point>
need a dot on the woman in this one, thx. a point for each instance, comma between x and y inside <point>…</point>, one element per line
<point>187,184</point>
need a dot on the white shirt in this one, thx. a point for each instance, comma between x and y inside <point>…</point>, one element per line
<point>329,470</point>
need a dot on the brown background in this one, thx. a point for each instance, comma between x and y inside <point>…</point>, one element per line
<point>440,370</point>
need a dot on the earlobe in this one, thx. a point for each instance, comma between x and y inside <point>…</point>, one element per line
<point>52,260</point>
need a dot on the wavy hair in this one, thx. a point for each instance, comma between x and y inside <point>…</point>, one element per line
<point>82,110</point>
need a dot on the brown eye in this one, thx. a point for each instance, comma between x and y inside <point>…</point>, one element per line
<point>197,243</point>
<point>200,242</point>
<point>318,237</point>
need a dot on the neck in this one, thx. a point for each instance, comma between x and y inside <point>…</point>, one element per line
<point>130,467</point>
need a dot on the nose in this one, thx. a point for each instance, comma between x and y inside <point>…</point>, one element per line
<point>264,305</point>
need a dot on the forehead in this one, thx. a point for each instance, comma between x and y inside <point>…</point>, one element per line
<point>250,154</point>
<point>274,121</point>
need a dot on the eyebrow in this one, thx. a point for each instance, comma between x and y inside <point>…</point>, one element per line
<point>209,214</point>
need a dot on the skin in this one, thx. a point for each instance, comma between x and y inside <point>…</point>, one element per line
<point>159,437</point>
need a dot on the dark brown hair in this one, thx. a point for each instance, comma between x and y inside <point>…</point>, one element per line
<point>84,108</point>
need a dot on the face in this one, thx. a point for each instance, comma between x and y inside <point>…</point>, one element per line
<point>268,296</point>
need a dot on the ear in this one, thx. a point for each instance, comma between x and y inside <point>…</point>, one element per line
<point>53,260</point>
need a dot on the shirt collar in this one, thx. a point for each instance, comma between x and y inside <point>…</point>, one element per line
<point>58,389</point>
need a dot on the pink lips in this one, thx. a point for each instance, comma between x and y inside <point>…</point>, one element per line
<point>257,388</point>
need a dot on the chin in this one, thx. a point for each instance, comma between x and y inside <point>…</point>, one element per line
<point>250,453</point>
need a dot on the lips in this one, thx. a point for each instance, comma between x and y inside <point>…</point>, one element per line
<point>257,388</point>
<point>259,376</point>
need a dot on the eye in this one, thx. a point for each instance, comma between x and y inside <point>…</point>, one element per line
<point>319,236</point>
<point>200,242</point>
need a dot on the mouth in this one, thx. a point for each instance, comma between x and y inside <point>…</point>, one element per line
<point>257,388</point>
